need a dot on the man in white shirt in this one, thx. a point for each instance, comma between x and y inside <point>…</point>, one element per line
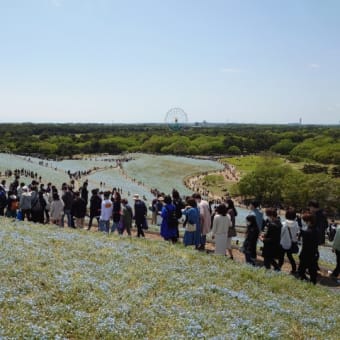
<point>105,213</point>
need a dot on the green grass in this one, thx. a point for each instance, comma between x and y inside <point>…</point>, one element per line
<point>60,283</point>
<point>216,184</point>
<point>246,164</point>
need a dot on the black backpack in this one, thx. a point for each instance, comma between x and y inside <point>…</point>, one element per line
<point>172,218</point>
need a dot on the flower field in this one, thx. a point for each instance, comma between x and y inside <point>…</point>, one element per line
<point>161,172</point>
<point>167,172</point>
<point>70,284</point>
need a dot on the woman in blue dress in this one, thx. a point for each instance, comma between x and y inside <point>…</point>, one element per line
<point>168,232</point>
<point>192,235</point>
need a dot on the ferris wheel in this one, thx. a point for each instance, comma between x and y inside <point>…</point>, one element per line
<point>175,118</point>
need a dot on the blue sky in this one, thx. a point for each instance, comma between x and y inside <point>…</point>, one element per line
<point>131,61</point>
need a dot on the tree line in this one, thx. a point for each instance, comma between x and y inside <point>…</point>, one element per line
<point>274,183</point>
<point>271,182</point>
<point>298,143</point>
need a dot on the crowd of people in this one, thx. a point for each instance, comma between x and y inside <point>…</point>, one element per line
<point>280,239</point>
<point>69,207</point>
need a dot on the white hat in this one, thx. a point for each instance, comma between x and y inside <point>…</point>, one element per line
<point>136,197</point>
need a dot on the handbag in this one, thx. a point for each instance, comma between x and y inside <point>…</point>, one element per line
<point>294,249</point>
<point>19,215</point>
<point>232,231</point>
<point>191,227</point>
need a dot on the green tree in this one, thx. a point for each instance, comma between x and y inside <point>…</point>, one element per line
<point>234,150</point>
<point>265,182</point>
<point>295,191</point>
<point>283,147</point>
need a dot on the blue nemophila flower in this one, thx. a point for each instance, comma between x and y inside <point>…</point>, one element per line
<point>274,334</point>
<point>132,288</point>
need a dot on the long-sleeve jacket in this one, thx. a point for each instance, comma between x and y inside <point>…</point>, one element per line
<point>310,238</point>
<point>221,225</point>
<point>56,209</point>
<point>78,208</point>
<point>271,240</point>
<point>25,201</point>
<point>205,217</point>
<point>95,205</point>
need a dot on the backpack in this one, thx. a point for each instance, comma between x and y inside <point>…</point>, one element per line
<point>172,219</point>
<point>36,205</point>
<point>14,205</point>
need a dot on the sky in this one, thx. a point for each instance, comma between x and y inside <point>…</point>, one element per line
<point>107,61</point>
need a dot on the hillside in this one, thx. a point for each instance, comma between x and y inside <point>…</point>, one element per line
<point>60,283</point>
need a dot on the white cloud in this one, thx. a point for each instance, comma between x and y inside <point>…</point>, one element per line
<point>231,70</point>
<point>314,65</point>
<point>57,3</point>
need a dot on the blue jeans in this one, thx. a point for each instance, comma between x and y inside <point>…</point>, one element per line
<point>69,218</point>
<point>115,226</point>
<point>104,226</point>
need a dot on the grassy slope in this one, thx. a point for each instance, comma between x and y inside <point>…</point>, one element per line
<point>59,283</point>
<point>245,164</point>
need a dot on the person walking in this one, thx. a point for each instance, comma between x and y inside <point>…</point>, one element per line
<point>321,224</point>
<point>116,213</point>
<point>309,253</point>
<point>289,236</point>
<point>38,206</point>
<point>3,200</point>
<point>26,203</point>
<point>271,240</point>
<point>250,242</point>
<point>139,215</point>
<point>255,210</point>
<point>78,210</point>
<point>126,218</point>
<point>192,224</point>
<point>105,213</point>
<point>205,219</point>
<point>67,198</point>
<point>221,224</point>
<point>56,209</point>
<point>48,200</point>
<point>95,205</point>
<point>169,227</point>
<point>179,206</point>
<point>232,212</point>
<point>336,250</point>
<point>84,194</point>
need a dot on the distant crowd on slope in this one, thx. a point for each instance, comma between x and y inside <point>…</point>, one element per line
<point>46,204</point>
